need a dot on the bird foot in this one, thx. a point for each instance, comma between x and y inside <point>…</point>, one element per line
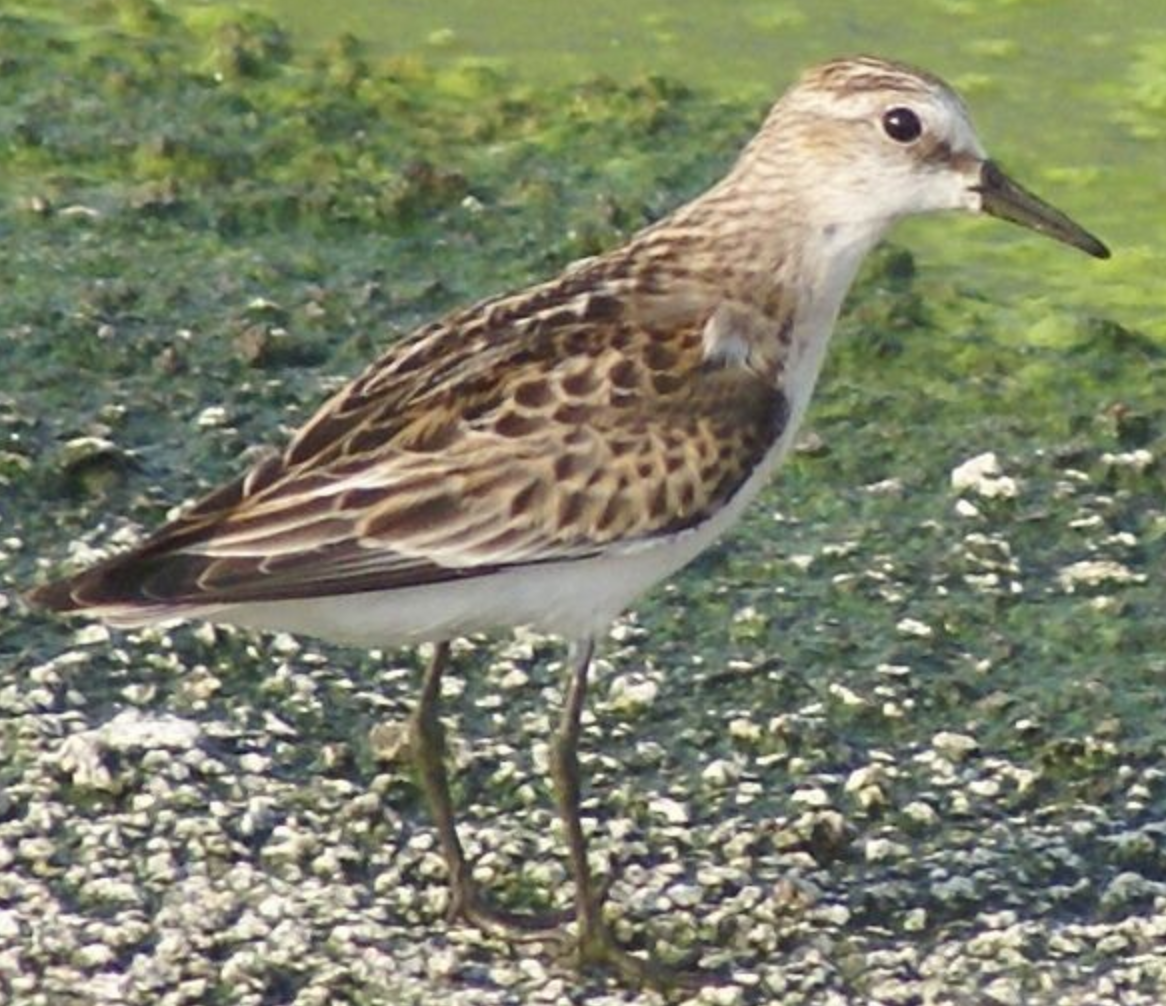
<point>596,946</point>
<point>589,944</point>
<point>468,905</point>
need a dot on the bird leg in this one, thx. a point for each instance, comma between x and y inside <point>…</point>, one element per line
<point>427,746</point>
<point>595,942</point>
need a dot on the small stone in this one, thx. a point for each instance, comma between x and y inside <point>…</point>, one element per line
<point>95,955</point>
<point>1129,889</point>
<point>721,773</point>
<point>921,814</point>
<point>684,895</point>
<point>389,741</point>
<point>721,995</point>
<point>113,891</point>
<point>966,510</point>
<point>915,628</point>
<point>794,894</point>
<point>632,694</point>
<point>861,778</point>
<point>885,487</point>
<point>812,797</point>
<point>9,924</point>
<point>954,889</point>
<point>846,696</point>
<point>669,810</point>
<point>83,451</point>
<point>982,475</point>
<point>745,730</point>
<point>1095,573</point>
<point>1005,991</point>
<point>984,788</point>
<point>915,921</point>
<point>132,729</point>
<point>514,679</point>
<point>1139,460</point>
<point>955,746</point>
<point>833,915</point>
<point>879,850</point>
<point>91,635</point>
<point>1112,945</point>
<point>212,417</point>
<point>81,758</point>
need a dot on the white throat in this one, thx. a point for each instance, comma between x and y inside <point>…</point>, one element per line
<point>833,255</point>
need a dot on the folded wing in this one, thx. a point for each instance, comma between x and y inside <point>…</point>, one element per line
<point>508,435</point>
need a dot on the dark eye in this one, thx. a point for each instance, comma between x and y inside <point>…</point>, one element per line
<point>902,125</point>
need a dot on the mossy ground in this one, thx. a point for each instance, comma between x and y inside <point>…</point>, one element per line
<point>196,216</point>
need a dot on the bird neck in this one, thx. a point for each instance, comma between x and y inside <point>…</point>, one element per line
<point>754,265</point>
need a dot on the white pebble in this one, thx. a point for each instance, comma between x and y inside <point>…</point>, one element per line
<point>1094,572</point>
<point>672,811</point>
<point>982,475</point>
<point>954,746</point>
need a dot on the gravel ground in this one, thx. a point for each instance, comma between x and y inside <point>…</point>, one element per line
<point>227,831</point>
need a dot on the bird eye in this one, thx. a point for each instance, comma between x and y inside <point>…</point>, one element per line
<point>902,125</point>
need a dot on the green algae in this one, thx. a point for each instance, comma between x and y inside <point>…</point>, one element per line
<point>1065,95</point>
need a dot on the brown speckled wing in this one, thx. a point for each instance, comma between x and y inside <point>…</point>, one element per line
<point>553,425</point>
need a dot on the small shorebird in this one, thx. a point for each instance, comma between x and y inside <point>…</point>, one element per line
<point>541,458</point>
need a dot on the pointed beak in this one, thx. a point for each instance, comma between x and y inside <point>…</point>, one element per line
<point>1002,197</point>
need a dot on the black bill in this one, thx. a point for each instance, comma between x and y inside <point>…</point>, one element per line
<point>1003,198</point>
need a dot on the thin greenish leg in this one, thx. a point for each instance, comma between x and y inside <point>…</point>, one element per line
<point>427,745</point>
<point>596,942</point>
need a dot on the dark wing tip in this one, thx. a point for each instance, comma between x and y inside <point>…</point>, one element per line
<point>55,596</point>
<point>134,579</point>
